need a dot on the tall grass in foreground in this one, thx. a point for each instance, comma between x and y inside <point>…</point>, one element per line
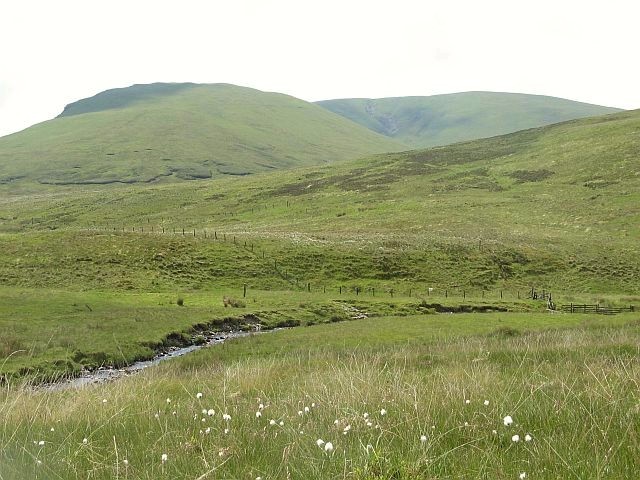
<point>421,410</point>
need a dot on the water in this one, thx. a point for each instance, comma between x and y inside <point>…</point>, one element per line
<point>106,374</point>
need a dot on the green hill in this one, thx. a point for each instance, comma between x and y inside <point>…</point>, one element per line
<point>554,206</point>
<point>445,119</point>
<point>168,132</point>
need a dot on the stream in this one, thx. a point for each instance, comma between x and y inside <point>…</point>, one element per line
<point>105,374</point>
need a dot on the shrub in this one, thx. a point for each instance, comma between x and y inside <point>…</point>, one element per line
<point>232,302</point>
<point>180,302</point>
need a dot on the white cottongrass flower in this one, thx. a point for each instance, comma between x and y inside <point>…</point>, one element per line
<point>125,462</point>
<point>522,475</point>
<point>207,430</point>
<point>319,442</point>
<point>467,401</point>
<point>495,432</point>
<point>306,409</point>
<point>383,412</point>
<point>423,438</point>
<point>41,443</point>
<point>346,429</point>
<point>85,441</point>
<point>211,412</point>
<point>53,429</point>
<point>281,423</point>
<point>164,457</point>
<point>258,414</point>
<point>300,412</point>
<point>328,447</point>
<point>507,420</point>
<point>528,438</point>
<point>272,422</point>
<point>174,413</point>
<point>258,478</point>
<point>157,415</point>
<point>365,415</point>
<point>199,395</point>
<point>226,430</point>
<point>515,438</point>
<point>336,422</point>
<point>226,417</point>
<point>168,400</point>
<point>466,424</point>
<point>486,403</point>
<point>261,407</point>
<point>369,424</point>
<point>204,411</point>
<point>104,400</point>
<point>313,405</point>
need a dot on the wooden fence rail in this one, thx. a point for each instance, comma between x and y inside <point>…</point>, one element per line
<point>599,309</point>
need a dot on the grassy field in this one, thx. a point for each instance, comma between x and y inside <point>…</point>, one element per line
<point>397,397</point>
<point>178,132</point>
<point>371,260</point>
<point>444,119</point>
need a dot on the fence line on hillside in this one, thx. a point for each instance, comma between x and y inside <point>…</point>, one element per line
<point>449,292</point>
<point>595,308</point>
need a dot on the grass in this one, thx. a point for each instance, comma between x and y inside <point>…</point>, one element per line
<point>568,381</point>
<point>444,119</point>
<point>490,212</point>
<point>178,132</point>
<point>50,333</point>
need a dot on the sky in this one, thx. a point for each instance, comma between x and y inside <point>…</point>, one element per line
<point>55,52</point>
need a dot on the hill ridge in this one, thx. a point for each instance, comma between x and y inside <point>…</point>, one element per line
<point>425,121</point>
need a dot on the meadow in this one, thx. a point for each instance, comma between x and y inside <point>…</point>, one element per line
<point>372,262</point>
<point>439,396</point>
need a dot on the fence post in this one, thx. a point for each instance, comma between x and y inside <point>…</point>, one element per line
<point>446,294</point>
<point>309,287</point>
<point>500,294</point>
<point>244,290</point>
<point>464,294</point>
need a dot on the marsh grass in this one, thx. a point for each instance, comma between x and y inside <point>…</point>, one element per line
<point>573,390</point>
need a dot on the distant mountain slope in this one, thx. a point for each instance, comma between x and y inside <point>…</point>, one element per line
<point>555,206</point>
<point>445,119</point>
<point>165,132</point>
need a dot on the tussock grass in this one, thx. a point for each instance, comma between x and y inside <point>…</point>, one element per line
<point>574,391</point>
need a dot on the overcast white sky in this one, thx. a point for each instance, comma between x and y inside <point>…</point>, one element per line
<point>55,52</point>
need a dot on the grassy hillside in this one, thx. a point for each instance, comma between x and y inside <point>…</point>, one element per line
<point>446,119</point>
<point>169,132</point>
<point>477,223</point>
<point>556,205</point>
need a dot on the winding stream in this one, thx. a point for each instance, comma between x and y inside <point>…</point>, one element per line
<point>106,374</point>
